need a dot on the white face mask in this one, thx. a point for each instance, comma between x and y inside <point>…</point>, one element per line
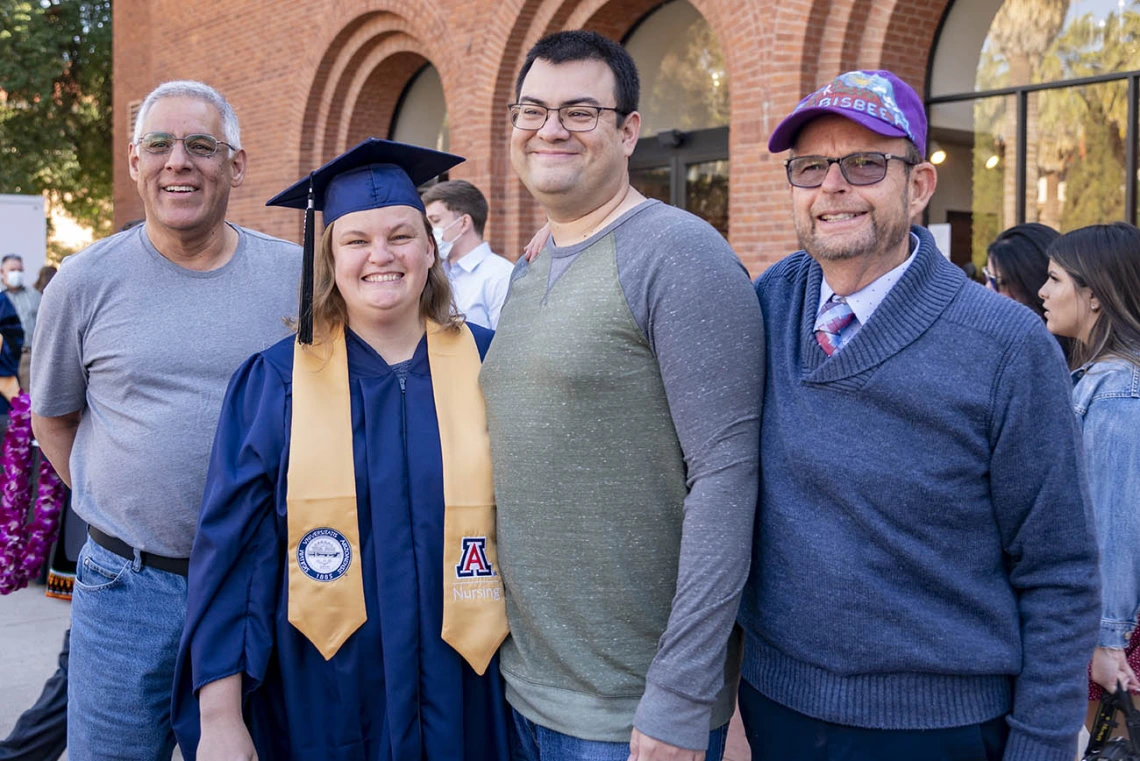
<point>444,246</point>
<point>15,279</point>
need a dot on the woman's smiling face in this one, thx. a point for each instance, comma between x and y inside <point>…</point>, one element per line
<point>381,259</point>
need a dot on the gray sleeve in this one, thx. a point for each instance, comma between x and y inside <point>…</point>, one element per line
<point>693,300</point>
<point>59,378</point>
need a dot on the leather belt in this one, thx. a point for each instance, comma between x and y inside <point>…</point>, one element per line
<point>179,566</point>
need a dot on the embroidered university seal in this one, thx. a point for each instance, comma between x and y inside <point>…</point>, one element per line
<point>324,554</point>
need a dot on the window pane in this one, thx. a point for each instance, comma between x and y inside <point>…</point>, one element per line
<point>1033,41</point>
<point>1076,140</point>
<point>651,183</point>
<point>985,44</point>
<point>977,183</point>
<point>683,81</point>
<point>422,118</point>
<point>1075,162</point>
<point>706,193</point>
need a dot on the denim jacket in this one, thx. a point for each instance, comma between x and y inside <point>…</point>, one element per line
<point>1106,398</point>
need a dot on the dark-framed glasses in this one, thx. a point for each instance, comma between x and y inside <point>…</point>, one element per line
<point>865,168</point>
<point>530,116</point>
<point>199,146</point>
<point>996,282</point>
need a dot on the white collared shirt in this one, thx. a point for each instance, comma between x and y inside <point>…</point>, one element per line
<point>866,300</point>
<point>479,284</point>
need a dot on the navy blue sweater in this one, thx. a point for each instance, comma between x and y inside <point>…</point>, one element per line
<point>924,553</point>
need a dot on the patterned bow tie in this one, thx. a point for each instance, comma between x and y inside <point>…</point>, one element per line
<point>835,317</point>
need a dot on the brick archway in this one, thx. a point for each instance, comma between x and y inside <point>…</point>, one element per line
<point>737,30</point>
<point>901,35</point>
<point>384,83</point>
<point>376,48</point>
<point>358,81</point>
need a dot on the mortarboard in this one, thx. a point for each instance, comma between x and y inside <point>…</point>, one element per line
<point>374,174</point>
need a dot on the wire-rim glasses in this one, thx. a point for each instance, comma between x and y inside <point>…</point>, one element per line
<point>579,118</point>
<point>199,146</point>
<point>866,168</point>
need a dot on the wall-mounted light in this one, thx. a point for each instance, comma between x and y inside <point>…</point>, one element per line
<point>937,155</point>
<point>992,161</point>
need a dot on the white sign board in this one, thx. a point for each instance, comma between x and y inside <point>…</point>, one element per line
<point>23,231</point>
<point>941,233</point>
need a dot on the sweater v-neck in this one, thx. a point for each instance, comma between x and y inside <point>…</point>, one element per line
<point>911,307</point>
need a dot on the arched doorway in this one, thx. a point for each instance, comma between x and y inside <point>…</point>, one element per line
<point>1032,107</point>
<point>682,157</point>
<point>421,113</point>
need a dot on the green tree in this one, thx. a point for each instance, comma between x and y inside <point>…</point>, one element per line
<point>55,104</point>
<point>693,81</point>
<point>989,143</point>
<point>1022,31</point>
<point>1085,126</point>
<point>1095,180</point>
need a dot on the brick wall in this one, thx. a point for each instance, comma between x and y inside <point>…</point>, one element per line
<point>310,78</point>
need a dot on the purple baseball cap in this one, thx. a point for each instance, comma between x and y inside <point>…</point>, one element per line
<point>878,100</point>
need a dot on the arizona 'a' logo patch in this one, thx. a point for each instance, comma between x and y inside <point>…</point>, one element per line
<point>473,562</point>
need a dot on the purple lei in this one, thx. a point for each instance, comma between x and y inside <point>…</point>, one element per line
<point>24,548</point>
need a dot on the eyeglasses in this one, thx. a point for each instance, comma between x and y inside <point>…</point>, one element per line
<point>199,146</point>
<point>531,117</point>
<point>997,282</point>
<point>857,168</point>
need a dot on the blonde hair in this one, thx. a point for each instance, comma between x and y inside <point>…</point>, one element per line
<point>330,311</point>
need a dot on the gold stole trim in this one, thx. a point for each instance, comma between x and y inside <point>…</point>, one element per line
<point>326,593</point>
<point>474,608</point>
<point>326,589</point>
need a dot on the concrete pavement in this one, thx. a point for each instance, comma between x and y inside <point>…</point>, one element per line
<point>31,633</point>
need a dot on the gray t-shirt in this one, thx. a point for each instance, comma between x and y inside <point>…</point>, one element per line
<point>144,349</point>
<point>623,394</point>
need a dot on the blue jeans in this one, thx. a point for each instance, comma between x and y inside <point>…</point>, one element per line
<point>530,742</point>
<point>126,621</point>
<point>777,733</point>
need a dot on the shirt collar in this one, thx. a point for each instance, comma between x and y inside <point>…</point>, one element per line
<point>473,258</point>
<point>866,300</point>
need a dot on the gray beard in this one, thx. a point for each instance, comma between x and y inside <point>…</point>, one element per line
<point>882,239</point>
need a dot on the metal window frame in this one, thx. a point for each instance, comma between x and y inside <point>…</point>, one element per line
<point>695,147</point>
<point>1022,92</point>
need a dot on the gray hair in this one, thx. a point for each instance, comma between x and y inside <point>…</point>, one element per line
<point>185,88</point>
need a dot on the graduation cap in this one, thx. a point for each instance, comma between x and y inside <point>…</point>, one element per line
<point>374,174</point>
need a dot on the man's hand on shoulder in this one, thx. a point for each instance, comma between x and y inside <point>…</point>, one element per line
<point>537,243</point>
<point>645,748</point>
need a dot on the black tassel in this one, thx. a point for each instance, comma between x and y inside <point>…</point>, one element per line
<point>305,329</point>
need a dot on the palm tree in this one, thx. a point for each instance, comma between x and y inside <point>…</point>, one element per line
<point>1022,31</point>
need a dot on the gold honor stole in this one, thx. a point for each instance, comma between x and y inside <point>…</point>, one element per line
<point>326,591</point>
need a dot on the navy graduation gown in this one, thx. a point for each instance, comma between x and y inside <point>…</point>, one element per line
<point>13,332</point>
<point>395,690</point>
